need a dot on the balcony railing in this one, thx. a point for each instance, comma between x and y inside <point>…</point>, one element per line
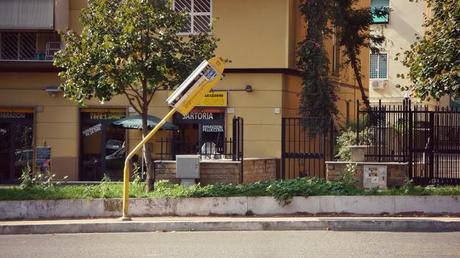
<point>29,46</point>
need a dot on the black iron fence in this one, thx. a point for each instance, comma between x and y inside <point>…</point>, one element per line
<point>225,148</point>
<point>427,138</point>
<point>302,154</point>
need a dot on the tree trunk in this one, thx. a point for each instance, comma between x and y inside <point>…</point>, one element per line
<point>147,153</point>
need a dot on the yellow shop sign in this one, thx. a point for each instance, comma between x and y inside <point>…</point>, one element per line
<point>214,99</point>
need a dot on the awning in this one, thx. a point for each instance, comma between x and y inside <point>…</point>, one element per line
<point>135,122</point>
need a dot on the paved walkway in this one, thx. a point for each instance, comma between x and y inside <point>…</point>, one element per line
<point>153,224</point>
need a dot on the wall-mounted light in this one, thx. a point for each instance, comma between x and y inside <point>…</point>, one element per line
<point>248,88</point>
<point>53,90</point>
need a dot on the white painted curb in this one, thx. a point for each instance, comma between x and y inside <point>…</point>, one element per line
<point>240,206</point>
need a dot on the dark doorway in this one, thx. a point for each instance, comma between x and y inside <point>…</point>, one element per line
<point>16,144</point>
<point>103,145</point>
<point>202,127</point>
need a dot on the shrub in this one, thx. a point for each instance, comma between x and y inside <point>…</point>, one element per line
<point>348,137</point>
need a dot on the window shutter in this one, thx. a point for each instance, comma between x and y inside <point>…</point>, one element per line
<point>380,5</point>
<point>27,14</point>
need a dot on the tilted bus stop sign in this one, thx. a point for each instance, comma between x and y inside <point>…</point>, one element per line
<point>188,95</point>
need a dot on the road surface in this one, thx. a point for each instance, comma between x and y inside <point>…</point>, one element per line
<point>234,244</point>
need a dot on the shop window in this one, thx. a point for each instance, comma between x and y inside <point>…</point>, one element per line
<point>377,7</point>
<point>378,66</point>
<point>103,146</point>
<point>199,15</point>
<point>16,144</point>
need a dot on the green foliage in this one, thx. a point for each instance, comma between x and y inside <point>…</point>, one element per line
<point>434,59</point>
<point>132,48</point>
<point>129,47</point>
<point>317,103</point>
<point>318,97</point>
<point>45,179</point>
<point>349,177</point>
<point>283,191</point>
<point>347,138</point>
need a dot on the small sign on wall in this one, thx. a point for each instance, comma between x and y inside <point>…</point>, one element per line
<point>374,177</point>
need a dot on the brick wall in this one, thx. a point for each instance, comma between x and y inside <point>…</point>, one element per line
<point>397,174</point>
<point>227,172</point>
<point>260,170</point>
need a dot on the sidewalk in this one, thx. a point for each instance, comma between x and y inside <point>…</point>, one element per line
<point>167,224</point>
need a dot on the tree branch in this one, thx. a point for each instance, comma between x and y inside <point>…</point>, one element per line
<point>130,100</point>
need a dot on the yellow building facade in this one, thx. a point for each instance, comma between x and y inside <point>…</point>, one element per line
<point>261,85</point>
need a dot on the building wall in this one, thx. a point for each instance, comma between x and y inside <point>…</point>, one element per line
<point>406,19</point>
<point>258,34</point>
<point>346,86</point>
<point>253,34</point>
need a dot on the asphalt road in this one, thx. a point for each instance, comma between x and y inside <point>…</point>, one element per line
<point>234,244</point>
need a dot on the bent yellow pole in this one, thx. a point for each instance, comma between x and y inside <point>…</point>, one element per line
<point>131,154</point>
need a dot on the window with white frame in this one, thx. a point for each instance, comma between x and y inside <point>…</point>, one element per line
<point>378,66</point>
<point>199,12</point>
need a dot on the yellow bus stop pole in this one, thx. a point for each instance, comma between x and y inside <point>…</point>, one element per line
<point>131,154</point>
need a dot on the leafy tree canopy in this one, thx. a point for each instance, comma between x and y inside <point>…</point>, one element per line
<point>434,59</point>
<point>130,47</point>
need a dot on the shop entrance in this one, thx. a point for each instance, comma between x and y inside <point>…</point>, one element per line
<point>103,145</point>
<point>202,131</point>
<point>16,143</point>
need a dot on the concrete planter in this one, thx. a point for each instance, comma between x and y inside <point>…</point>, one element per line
<point>241,206</point>
<point>358,152</point>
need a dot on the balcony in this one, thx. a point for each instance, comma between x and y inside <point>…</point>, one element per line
<point>28,51</point>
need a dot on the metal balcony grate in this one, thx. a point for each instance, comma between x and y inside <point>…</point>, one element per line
<point>28,46</point>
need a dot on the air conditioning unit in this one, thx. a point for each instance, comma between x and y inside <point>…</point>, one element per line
<point>379,84</point>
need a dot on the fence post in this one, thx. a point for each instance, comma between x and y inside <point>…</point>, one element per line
<point>357,122</point>
<point>283,147</point>
<point>241,141</point>
<point>410,134</point>
<point>234,147</point>
<point>430,145</point>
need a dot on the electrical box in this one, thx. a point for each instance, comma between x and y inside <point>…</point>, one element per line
<point>375,177</point>
<point>188,168</point>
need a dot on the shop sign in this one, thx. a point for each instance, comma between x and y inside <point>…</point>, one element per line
<point>212,128</point>
<point>105,116</point>
<point>201,117</point>
<point>214,99</point>
<point>12,115</point>
<point>92,130</point>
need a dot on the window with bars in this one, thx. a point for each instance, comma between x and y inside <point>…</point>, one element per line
<point>18,45</point>
<point>199,12</point>
<point>378,66</point>
<point>29,45</point>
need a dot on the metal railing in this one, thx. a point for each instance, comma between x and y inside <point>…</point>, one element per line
<point>29,46</point>
<point>428,139</point>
